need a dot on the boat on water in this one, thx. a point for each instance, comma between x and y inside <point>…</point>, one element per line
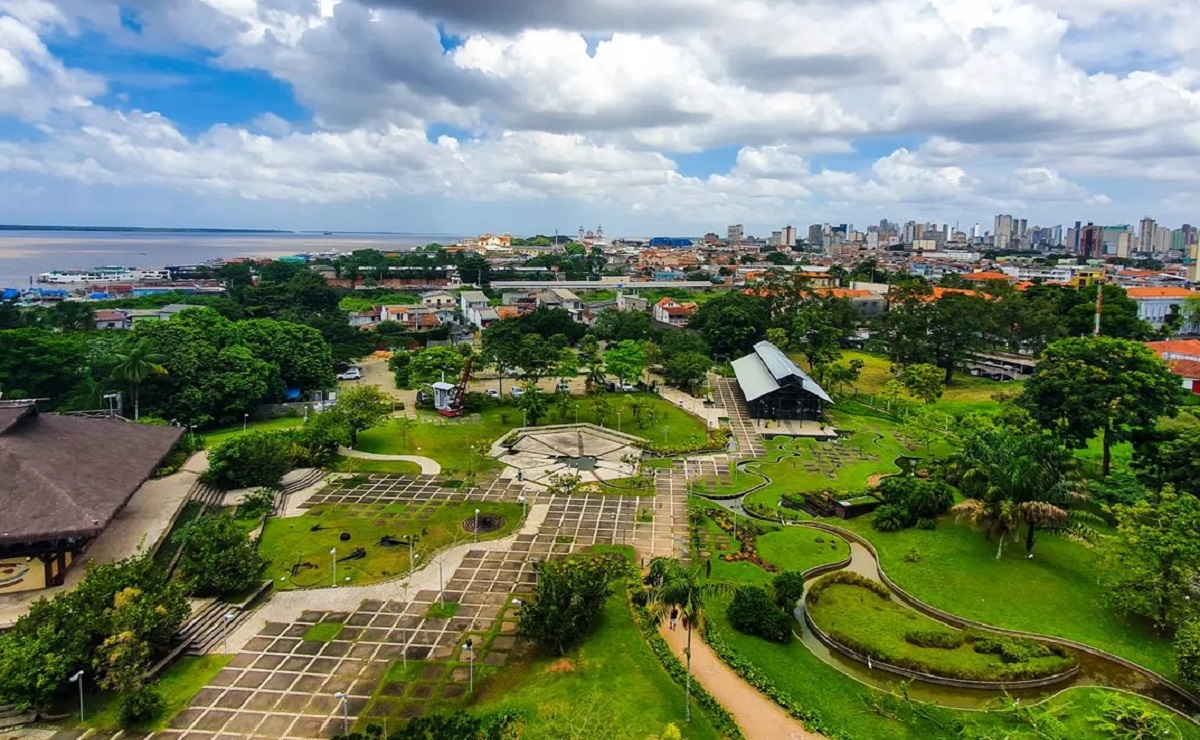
<point>102,274</point>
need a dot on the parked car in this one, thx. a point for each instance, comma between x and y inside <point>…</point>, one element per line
<point>493,393</point>
<point>563,387</point>
<point>628,387</point>
<point>353,373</point>
<point>517,391</point>
<point>610,386</point>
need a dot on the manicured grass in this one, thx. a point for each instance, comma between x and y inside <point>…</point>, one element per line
<point>170,545</point>
<point>323,632</point>
<point>448,441</point>
<point>801,548</point>
<point>286,542</point>
<point>868,447</point>
<point>1059,592</point>
<point>862,619</point>
<point>611,685</point>
<point>366,465</point>
<point>217,436</point>
<point>440,610</point>
<point>178,685</point>
<point>964,394</point>
<point>643,486</point>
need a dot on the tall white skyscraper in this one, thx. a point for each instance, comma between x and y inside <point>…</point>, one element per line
<point>1003,233</point>
<point>1146,234</point>
<point>788,237</point>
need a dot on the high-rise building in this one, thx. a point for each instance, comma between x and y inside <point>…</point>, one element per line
<point>1112,237</point>
<point>1091,242</point>
<point>737,234</point>
<point>788,237</point>
<point>1003,233</point>
<point>816,234</point>
<point>1146,234</point>
<point>1124,244</point>
<point>1162,240</point>
<point>1074,240</point>
<point>976,231</point>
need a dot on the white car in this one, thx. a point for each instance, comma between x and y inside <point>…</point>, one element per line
<point>493,393</point>
<point>517,391</point>
<point>353,373</point>
<point>628,387</point>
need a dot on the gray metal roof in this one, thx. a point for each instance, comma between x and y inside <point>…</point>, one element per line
<point>760,373</point>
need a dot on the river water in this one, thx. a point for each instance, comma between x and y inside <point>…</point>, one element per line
<point>25,254</point>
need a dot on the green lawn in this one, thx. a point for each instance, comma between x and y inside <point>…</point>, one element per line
<point>964,394</point>
<point>611,686</point>
<point>286,542</point>
<point>217,436</point>
<point>178,685</point>
<point>323,632</point>
<point>869,447</point>
<point>801,548</point>
<point>442,610</point>
<point>448,440</point>
<point>366,465</point>
<point>1059,592</point>
<point>862,619</point>
<point>643,486</point>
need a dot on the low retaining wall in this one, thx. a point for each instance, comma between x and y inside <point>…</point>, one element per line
<point>958,683</point>
<point>962,623</point>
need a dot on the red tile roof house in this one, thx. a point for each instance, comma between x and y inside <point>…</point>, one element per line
<point>670,311</point>
<point>1183,357</point>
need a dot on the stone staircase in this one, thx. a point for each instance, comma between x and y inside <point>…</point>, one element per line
<point>730,397</point>
<point>206,629</point>
<point>316,475</point>
<point>207,495</point>
<point>11,717</point>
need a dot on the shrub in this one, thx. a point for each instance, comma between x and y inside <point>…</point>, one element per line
<point>1187,651</point>
<point>145,702</point>
<point>1011,649</point>
<point>217,557</point>
<point>789,587</point>
<point>1125,717</point>
<point>753,613</point>
<point>257,503</point>
<point>247,460</point>
<point>911,502</point>
<point>890,518</point>
<point>942,639</point>
<point>849,578</point>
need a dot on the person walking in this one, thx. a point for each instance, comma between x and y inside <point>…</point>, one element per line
<point>674,616</point>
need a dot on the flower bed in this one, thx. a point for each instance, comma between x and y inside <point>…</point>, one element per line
<point>859,614</point>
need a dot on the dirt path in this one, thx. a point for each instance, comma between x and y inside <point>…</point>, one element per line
<point>759,717</point>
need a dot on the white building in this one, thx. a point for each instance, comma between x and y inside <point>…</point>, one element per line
<point>1156,304</point>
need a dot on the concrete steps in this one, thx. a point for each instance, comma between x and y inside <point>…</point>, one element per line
<point>316,475</point>
<point>11,717</point>
<point>207,628</point>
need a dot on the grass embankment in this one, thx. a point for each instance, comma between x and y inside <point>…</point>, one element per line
<point>964,394</point>
<point>217,436</point>
<point>871,623</point>
<point>448,440</point>
<point>1058,592</point>
<point>178,685</point>
<point>366,465</point>
<point>610,686</point>
<point>286,542</point>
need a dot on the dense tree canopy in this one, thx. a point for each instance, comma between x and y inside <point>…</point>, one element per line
<point>1089,386</point>
<point>731,324</point>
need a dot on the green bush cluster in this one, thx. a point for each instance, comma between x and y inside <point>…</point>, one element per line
<point>849,578</point>
<point>753,613</point>
<point>755,677</point>
<point>911,502</point>
<point>1012,649</point>
<point>720,717</point>
<point>942,639</point>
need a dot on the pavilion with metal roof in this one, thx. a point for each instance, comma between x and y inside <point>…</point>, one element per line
<point>776,388</point>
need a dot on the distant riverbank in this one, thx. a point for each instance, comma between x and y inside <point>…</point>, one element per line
<point>24,253</point>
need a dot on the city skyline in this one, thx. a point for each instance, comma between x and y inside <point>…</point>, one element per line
<point>663,117</point>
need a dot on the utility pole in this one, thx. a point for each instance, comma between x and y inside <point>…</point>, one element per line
<point>1099,307</point>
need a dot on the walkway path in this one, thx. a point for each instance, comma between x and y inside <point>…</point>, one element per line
<point>759,717</point>
<point>728,396</point>
<point>429,466</point>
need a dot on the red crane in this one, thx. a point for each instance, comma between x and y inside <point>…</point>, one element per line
<point>455,406</point>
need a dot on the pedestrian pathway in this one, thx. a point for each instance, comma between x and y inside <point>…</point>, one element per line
<point>729,396</point>
<point>429,466</point>
<point>759,717</point>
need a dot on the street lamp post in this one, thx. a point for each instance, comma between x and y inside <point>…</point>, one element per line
<point>521,500</point>
<point>470,648</point>
<point>341,696</point>
<point>477,525</point>
<point>441,584</point>
<point>618,421</point>
<point>333,558</point>
<point>225,632</point>
<point>78,678</point>
<point>245,421</point>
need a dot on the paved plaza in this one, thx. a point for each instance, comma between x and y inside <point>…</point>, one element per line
<point>281,685</point>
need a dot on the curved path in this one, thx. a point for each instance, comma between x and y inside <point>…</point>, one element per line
<point>759,717</point>
<point>429,466</point>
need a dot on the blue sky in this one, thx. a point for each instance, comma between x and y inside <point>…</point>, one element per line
<point>647,117</point>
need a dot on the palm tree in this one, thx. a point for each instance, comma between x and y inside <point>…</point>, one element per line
<point>674,587</point>
<point>1013,478</point>
<point>134,366</point>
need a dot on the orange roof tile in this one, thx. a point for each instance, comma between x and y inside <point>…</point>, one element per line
<point>1176,347</point>
<point>1186,368</point>
<point>1171,292</point>
<point>985,276</point>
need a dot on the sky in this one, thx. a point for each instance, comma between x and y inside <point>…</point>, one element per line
<point>644,116</point>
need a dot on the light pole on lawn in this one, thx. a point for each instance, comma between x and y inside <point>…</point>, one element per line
<point>245,421</point>
<point>78,678</point>
<point>521,500</point>
<point>469,646</point>
<point>333,560</point>
<point>477,525</point>
<point>341,696</point>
